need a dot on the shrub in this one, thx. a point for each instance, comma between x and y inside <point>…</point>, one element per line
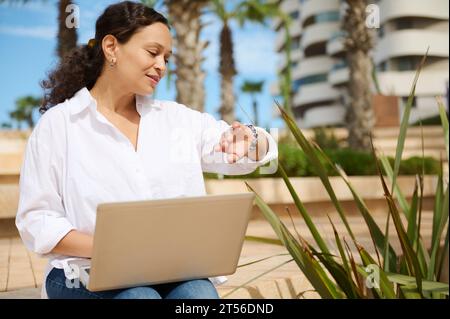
<point>353,162</point>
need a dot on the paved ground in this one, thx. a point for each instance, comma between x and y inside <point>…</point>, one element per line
<point>21,272</point>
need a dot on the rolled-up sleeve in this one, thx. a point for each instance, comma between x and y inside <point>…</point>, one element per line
<point>215,162</point>
<point>41,218</point>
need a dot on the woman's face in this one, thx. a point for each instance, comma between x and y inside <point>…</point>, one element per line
<point>142,61</point>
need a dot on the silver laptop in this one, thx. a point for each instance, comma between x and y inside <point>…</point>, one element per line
<point>160,241</point>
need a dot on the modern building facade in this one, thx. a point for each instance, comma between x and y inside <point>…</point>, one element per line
<point>320,70</point>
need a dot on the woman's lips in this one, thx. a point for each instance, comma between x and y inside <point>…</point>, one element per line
<point>153,80</point>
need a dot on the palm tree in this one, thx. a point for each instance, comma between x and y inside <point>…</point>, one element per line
<point>358,43</point>
<point>24,110</point>
<point>67,34</point>
<point>247,10</point>
<point>185,18</point>
<point>253,88</point>
<point>227,67</point>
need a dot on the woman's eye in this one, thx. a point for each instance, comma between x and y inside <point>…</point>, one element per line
<point>152,53</point>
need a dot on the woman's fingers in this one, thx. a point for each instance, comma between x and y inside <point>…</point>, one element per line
<point>233,142</point>
<point>232,158</point>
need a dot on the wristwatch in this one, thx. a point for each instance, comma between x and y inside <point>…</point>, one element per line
<point>254,142</point>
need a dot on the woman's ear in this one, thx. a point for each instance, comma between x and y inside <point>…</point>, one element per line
<point>110,46</point>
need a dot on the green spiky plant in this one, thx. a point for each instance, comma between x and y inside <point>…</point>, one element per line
<point>413,272</point>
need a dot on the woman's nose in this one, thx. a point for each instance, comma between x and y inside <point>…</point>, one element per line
<point>160,64</point>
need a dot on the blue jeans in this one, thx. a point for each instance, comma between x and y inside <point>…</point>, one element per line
<point>191,289</point>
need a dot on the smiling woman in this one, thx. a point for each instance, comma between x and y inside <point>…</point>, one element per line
<point>120,40</point>
<point>102,138</point>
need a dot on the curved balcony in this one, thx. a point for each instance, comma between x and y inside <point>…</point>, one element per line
<point>339,76</point>
<point>318,33</point>
<point>296,56</point>
<point>311,66</point>
<point>289,6</point>
<point>434,9</point>
<point>335,45</point>
<point>315,93</point>
<point>431,82</point>
<point>311,8</point>
<point>323,115</point>
<point>295,30</point>
<point>410,43</point>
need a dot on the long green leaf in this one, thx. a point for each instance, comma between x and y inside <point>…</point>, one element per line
<point>310,268</point>
<point>411,257</point>
<point>412,220</point>
<point>341,273</point>
<point>385,287</point>
<point>428,286</point>
<point>340,248</point>
<point>397,192</point>
<point>405,122</point>
<point>441,221</point>
<point>444,121</point>
<point>442,256</point>
<point>354,268</point>
<point>374,229</point>
<point>315,161</point>
<point>318,278</point>
<point>264,240</point>
<point>311,226</point>
<point>423,255</point>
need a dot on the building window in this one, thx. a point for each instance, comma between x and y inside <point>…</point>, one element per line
<point>331,16</point>
<point>295,44</point>
<point>381,31</point>
<point>409,63</point>
<point>341,64</point>
<point>402,24</point>
<point>310,79</point>
<point>382,67</point>
<point>294,15</point>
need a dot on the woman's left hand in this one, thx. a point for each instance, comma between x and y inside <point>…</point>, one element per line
<point>235,142</point>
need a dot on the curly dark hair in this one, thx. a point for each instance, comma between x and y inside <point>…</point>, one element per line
<point>82,66</point>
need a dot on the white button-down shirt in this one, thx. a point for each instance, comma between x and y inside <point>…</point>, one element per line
<point>75,159</point>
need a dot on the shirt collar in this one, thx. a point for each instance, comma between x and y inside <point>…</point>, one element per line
<point>83,99</point>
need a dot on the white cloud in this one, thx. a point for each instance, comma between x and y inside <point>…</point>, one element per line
<point>41,32</point>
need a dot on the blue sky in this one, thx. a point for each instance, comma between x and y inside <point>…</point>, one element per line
<point>28,44</point>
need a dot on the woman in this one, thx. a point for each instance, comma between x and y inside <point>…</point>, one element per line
<point>102,138</point>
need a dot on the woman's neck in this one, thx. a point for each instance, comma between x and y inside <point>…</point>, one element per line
<point>110,96</point>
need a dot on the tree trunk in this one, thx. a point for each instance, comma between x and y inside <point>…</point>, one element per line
<point>185,19</point>
<point>67,34</point>
<point>227,71</point>
<point>360,116</point>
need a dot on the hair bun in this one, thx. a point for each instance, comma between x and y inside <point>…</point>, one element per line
<point>91,43</point>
